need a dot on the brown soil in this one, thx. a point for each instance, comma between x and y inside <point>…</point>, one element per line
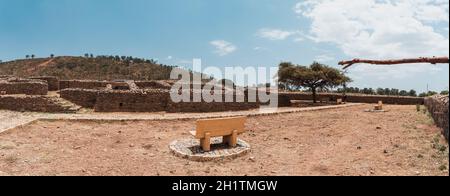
<point>346,141</point>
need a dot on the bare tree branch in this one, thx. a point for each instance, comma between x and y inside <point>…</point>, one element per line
<point>432,60</point>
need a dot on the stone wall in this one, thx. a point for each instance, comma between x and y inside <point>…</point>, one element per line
<point>117,85</point>
<point>149,100</point>
<point>53,82</point>
<point>132,101</point>
<point>153,85</point>
<point>33,103</point>
<point>210,106</point>
<point>82,97</point>
<point>354,98</point>
<point>438,108</point>
<point>23,86</point>
<point>83,84</point>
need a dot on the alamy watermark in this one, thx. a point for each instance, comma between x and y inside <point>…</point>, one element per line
<point>242,85</point>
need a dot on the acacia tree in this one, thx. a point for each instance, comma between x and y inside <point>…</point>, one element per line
<point>313,77</point>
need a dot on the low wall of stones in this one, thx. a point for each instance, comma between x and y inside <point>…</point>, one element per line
<point>82,97</point>
<point>53,82</point>
<point>93,84</point>
<point>33,103</point>
<point>354,98</point>
<point>438,108</point>
<point>83,84</point>
<point>212,105</point>
<point>153,85</point>
<point>132,101</point>
<point>27,87</point>
<point>149,100</point>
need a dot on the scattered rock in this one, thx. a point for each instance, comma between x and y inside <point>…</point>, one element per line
<point>77,147</point>
<point>147,146</point>
<point>252,159</point>
<point>131,145</point>
<point>419,156</point>
<point>359,148</point>
<point>378,128</point>
<point>385,152</point>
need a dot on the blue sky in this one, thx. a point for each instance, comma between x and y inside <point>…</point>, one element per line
<point>239,33</point>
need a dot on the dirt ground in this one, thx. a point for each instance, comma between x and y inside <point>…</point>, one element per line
<point>346,141</point>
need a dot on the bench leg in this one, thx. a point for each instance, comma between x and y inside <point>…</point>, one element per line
<point>232,140</point>
<point>206,142</point>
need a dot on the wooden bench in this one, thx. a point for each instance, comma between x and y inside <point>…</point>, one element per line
<point>228,128</point>
<point>379,106</point>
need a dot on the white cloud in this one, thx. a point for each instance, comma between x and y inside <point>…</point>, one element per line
<point>259,48</point>
<point>380,29</point>
<point>324,58</point>
<point>275,34</point>
<point>223,47</point>
<point>169,57</point>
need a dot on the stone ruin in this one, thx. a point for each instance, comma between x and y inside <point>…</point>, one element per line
<point>438,108</point>
<point>32,94</point>
<point>141,96</point>
<point>13,85</point>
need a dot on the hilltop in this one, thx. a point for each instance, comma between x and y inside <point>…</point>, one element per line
<point>95,68</point>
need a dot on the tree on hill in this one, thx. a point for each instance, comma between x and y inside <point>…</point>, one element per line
<point>313,77</point>
<point>428,94</point>
<point>403,93</point>
<point>32,56</point>
<point>27,56</point>
<point>412,93</point>
<point>444,92</point>
<point>52,56</point>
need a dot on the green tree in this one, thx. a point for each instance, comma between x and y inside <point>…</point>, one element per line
<point>412,93</point>
<point>380,91</point>
<point>403,93</point>
<point>387,91</point>
<point>313,77</point>
<point>32,56</point>
<point>444,92</point>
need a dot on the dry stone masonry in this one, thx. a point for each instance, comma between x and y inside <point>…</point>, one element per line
<point>145,96</point>
<point>13,85</point>
<point>438,108</point>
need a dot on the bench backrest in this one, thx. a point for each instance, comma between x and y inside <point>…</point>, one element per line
<point>220,126</point>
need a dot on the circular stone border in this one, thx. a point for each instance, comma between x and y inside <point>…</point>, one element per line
<point>190,149</point>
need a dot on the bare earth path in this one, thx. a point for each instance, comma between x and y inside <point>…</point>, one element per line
<point>344,141</point>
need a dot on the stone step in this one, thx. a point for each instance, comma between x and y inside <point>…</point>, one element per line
<point>68,106</point>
